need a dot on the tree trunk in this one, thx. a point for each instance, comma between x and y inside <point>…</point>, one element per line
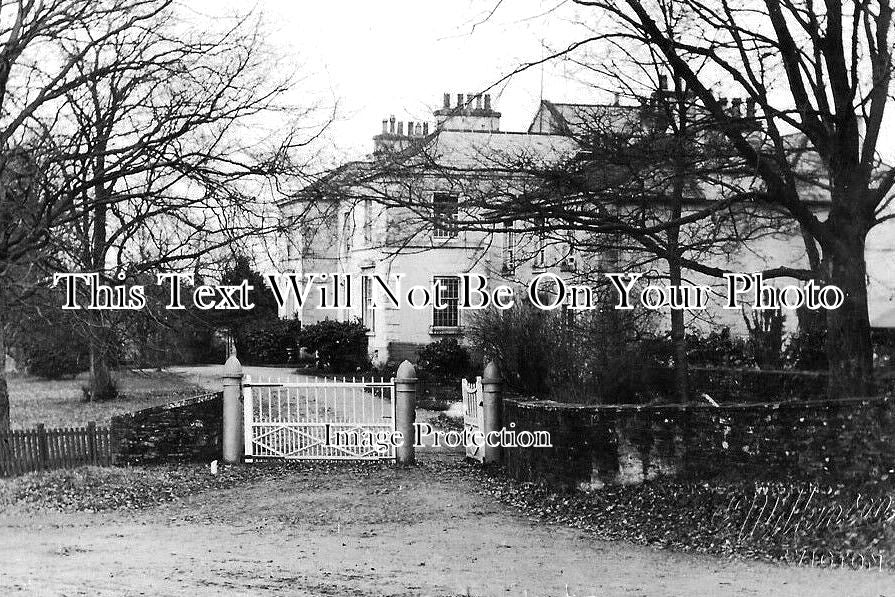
<point>101,386</point>
<point>848,346</point>
<point>679,340</point>
<point>4,393</point>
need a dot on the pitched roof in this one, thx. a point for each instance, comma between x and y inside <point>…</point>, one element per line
<point>575,119</point>
<point>468,149</point>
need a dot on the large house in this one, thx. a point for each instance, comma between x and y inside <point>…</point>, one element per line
<point>397,212</point>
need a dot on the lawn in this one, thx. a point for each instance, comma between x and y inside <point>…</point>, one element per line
<point>60,403</point>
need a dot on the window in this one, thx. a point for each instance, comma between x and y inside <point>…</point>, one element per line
<point>541,245</point>
<point>448,289</point>
<point>368,221</point>
<point>368,313</point>
<point>509,246</point>
<point>445,207</point>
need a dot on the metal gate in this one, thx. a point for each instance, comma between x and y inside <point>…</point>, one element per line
<point>319,420</point>
<point>473,415</point>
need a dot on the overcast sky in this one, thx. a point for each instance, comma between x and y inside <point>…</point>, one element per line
<point>375,59</point>
<point>372,59</point>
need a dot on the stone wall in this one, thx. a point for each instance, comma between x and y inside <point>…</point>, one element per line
<point>824,441</point>
<point>186,430</point>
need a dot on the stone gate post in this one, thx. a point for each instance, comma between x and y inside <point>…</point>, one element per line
<point>492,399</point>
<point>405,411</point>
<point>233,415</point>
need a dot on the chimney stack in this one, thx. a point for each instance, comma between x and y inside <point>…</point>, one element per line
<point>723,102</point>
<point>750,107</point>
<point>418,131</point>
<point>391,127</point>
<point>400,127</point>
<point>469,114</point>
<point>447,100</point>
<point>663,82</point>
<point>425,129</point>
<point>384,125</point>
<point>409,128</point>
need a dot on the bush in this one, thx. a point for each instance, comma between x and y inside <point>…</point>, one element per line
<point>108,392</point>
<point>54,351</point>
<point>341,346</point>
<point>588,357</point>
<point>269,343</point>
<point>445,359</point>
<point>718,349</point>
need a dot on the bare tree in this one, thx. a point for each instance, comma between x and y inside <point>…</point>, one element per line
<point>152,144</point>
<point>820,78</point>
<point>165,165</point>
<point>42,42</point>
<point>821,70</point>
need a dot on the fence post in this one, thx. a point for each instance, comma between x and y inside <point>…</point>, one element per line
<point>233,417</point>
<point>91,442</point>
<point>405,411</point>
<point>42,457</point>
<point>492,399</point>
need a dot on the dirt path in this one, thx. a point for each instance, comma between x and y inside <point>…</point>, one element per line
<point>366,531</point>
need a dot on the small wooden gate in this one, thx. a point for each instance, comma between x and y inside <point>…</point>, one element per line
<point>319,420</point>
<point>473,415</point>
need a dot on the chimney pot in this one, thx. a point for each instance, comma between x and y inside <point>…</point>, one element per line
<point>418,131</point>
<point>425,128</point>
<point>400,127</point>
<point>723,102</point>
<point>459,100</point>
<point>384,125</point>
<point>736,109</point>
<point>409,128</point>
<point>487,101</point>
<point>478,101</point>
<point>663,82</point>
<point>391,122</point>
<point>447,100</point>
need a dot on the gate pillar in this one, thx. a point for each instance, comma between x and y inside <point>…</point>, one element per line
<point>405,411</point>
<point>492,402</point>
<point>233,415</point>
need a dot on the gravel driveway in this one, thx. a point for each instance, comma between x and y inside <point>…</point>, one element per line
<point>364,530</point>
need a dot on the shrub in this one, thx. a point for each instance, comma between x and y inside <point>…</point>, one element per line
<point>718,348</point>
<point>445,359</point>
<point>55,351</point>
<point>109,391</point>
<point>806,352</point>
<point>582,357</point>
<point>269,342</point>
<point>715,349</point>
<point>766,338</point>
<point>341,346</point>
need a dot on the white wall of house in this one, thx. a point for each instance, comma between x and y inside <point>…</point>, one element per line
<point>363,237</point>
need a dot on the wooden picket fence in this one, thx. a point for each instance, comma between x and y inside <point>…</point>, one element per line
<point>42,449</point>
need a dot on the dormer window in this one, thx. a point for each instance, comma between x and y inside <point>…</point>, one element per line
<point>445,207</point>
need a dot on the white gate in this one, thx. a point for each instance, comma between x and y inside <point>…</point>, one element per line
<point>473,415</point>
<point>319,420</point>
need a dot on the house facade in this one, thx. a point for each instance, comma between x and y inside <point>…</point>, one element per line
<point>359,221</point>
